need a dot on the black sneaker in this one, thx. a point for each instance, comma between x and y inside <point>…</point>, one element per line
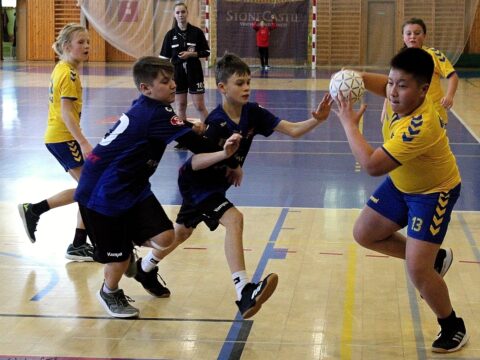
<point>254,295</point>
<point>82,253</point>
<point>450,341</point>
<point>443,261</point>
<point>30,220</point>
<point>117,304</point>
<point>149,281</point>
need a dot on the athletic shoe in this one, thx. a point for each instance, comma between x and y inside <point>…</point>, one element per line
<point>82,253</point>
<point>30,220</point>
<point>443,261</point>
<point>255,294</point>
<point>451,340</point>
<point>117,304</point>
<point>149,281</point>
<point>132,265</point>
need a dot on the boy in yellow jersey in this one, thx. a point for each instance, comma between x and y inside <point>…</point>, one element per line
<point>64,137</point>
<point>421,188</point>
<point>414,32</point>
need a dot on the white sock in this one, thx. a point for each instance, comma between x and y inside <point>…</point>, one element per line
<point>149,262</point>
<point>240,279</point>
<point>107,290</point>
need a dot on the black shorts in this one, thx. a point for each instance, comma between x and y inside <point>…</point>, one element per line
<point>113,237</point>
<point>191,81</point>
<point>210,211</point>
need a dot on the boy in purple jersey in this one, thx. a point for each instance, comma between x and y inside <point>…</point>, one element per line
<point>204,191</point>
<point>114,192</point>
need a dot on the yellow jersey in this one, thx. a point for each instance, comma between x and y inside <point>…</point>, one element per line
<point>419,143</point>
<point>64,84</point>
<point>443,69</point>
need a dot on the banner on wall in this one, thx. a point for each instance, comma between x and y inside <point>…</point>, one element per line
<point>235,33</point>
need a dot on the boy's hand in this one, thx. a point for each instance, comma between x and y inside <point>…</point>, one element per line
<point>323,109</point>
<point>347,115</point>
<point>198,126</point>
<point>235,176</point>
<point>232,144</point>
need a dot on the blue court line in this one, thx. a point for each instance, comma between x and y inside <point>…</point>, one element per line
<point>469,236</point>
<point>234,344</point>
<point>51,284</point>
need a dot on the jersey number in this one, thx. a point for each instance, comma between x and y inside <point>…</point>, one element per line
<point>417,224</point>
<point>122,125</point>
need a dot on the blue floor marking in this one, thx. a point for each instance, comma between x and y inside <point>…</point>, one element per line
<point>234,344</point>
<point>51,284</point>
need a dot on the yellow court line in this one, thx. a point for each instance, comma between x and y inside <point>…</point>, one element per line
<point>348,305</point>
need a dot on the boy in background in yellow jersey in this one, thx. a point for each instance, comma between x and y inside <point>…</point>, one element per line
<point>64,137</point>
<point>414,32</point>
<point>421,188</point>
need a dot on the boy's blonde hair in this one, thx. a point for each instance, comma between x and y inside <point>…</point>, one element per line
<point>65,36</point>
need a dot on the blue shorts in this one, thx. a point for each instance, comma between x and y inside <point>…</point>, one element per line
<point>68,154</point>
<point>427,215</point>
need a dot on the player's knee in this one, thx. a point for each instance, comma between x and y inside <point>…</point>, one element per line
<point>182,234</point>
<point>360,235</point>
<point>232,218</point>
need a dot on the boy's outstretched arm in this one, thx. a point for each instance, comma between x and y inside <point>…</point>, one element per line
<point>375,83</point>
<point>297,129</point>
<point>204,160</point>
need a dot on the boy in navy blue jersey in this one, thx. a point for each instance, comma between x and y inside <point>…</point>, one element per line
<point>114,192</point>
<point>204,191</point>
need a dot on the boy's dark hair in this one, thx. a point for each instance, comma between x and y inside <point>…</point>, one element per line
<point>228,65</point>
<point>147,68</point>
<point>416,21</point>
<point>414,61</point>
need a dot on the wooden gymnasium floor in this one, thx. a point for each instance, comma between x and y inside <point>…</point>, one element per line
<point>335,300</point>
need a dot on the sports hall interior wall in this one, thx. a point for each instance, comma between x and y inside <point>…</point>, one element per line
<point>340,33</point>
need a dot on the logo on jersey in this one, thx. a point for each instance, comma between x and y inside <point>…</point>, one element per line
<point>176,121</point>
<point>413,128</point>
<point>73,75</point>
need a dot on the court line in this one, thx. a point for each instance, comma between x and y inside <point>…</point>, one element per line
<point>466,126</point>
<point>348,305</point>
<point>54,278</point>
<point>237,336</point>
<point>39,316</point>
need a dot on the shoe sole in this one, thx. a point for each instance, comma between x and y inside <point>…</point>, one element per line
<point>163,296</point>
<point>24,220</point>
<point>270,286</point>
<point>79,258</point>
<point>99,297</point>
<point>446,266</point>
<point>461,345</point>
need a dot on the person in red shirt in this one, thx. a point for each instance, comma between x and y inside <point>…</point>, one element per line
<point>263,35</point>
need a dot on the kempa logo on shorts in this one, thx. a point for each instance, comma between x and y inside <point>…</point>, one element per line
<point>221,206</point>
<point>114,254</point>
<point>256,291</point>
<point>374,199</point>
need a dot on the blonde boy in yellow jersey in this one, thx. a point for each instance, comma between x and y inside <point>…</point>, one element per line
<point>64,137</point>
<point>421,188</point>
<point>414,32</point>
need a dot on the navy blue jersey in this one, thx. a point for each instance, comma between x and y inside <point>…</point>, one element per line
<point>196,186</point>
<point>116,175</point>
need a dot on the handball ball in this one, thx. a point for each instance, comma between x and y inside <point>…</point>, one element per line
<point>349,82</point>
